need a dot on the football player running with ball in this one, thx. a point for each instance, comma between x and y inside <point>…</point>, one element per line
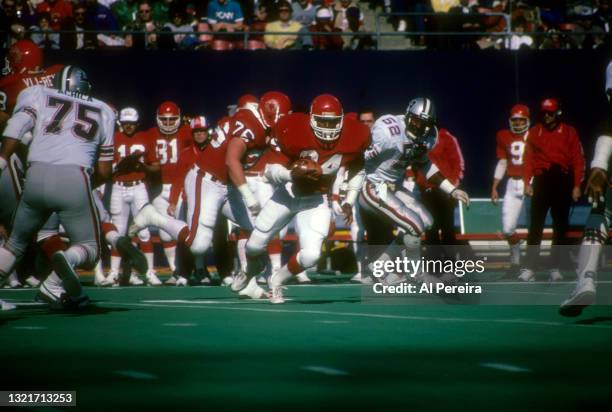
<point>397,143</point>
<point>316,146</point>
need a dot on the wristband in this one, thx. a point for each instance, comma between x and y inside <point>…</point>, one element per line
<point>447,186</point>
<point>3,163</point>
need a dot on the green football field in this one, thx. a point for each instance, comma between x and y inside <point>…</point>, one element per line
<point>200,348</point>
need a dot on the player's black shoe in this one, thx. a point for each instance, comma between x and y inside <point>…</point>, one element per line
<point>131,252</point>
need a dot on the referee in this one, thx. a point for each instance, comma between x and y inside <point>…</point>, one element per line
<point>554,159</point>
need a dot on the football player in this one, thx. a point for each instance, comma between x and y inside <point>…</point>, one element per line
<point>64,120</point>
<point>316,146</point>
<point>129,193</point>
<point>510,150</point>
<point>397,143</point>
<point>170,139</point>
<point>599,193</point>
<point>250,129</point>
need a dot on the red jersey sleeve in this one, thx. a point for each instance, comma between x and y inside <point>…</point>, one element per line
<point>184,164</point>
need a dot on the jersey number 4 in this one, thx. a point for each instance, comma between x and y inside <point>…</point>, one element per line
<point>84,126</point>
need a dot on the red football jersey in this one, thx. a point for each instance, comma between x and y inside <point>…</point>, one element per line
<point>187,158</point>
<point>246,125</point>
<point>13,84</point>
<point>297,140</point>
<point>271,155</point>
<point>126,146</point>
<point>446,155</point>
<point>168,148</point>
<point>511,147</point>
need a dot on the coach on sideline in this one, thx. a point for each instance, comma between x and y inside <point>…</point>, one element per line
<point>554,159</point>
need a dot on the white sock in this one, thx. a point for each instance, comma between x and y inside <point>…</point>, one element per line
<point>170,253</point>
<point>275,258</point>
<point>515,254</point>
<point>241,246</point>
<point>280,276</point>
<point>115,264</point>
<point>98,269</point>
<point>588,258</point>
<point>149,257</point>
<point>76,255</point>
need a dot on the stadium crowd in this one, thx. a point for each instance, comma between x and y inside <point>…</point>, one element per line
<point>303,24</point>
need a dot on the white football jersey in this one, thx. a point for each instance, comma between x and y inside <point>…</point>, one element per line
<point>391,151</point>
<point>66,129</point>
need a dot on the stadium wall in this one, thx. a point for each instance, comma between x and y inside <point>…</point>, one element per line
<point>473,90</point>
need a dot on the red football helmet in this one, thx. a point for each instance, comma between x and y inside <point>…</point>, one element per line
<point>247,99</point>
<point>198,122</point>
<point>326,118</point>
<point>168,117</point>
<point>23,56</point>
<point>273,106</point>
<point>549,105</point>
<point>519,119</point>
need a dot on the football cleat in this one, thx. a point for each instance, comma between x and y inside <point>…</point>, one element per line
<point>582,296</point>
<point>171,281</point>
<point>111,280</point>
<point>131,252</point>
<point>6,305</point>
<point>32,281</point>
<point>66,272</point>
<point>227,281</point>
<point>356,278</point>
<point>302,278</point>
<point>135,280</point>
<point>182,281</point>
<point>394,279</point>
<point>252,290</point>
<point>526,275</point>
<point>13,281</point>
<point>555,275</point>
<point>239,282</point>
<point>367,280</point>
<point>261,279</point>
<point>276,295</point>
<point>152,279</point>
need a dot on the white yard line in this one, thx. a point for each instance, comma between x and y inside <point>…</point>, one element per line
<point>505,367</point>
<point>372,315</point>
<point>325,370</point>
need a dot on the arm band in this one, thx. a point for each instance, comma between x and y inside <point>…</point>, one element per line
<point>500,169</point>
<point>447,186</point>
<point>354,186</point>
<point>603,149</point>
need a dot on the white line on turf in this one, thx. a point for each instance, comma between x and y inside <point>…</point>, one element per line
<point>136,374</point>
<point>210,302</point>
<point>505,367</point>
<point>180,325</point>
<point>326,370</point>
<point>30,327</point>
<point>332,322</point>
<point>373,315</point>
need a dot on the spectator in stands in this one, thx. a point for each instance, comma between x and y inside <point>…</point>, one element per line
<point>520,40</point>
<point>340,20</point>
<point>260,22</point>
<point>603,16</point>
<point>324,24</point>
<point>359,40</point>
<point>160,9</point>
<point>125,11</point>
<point>78,24</point>
<point>304,12</point>
<point>285,25</point>
<point>59,10</point>
<point>551,13</point>
<point>399,6</point>
<point>102,20</point>
<point>556,40</point>
<point>225,16</point>
<point>43,35</point>
<point>552,173</point>
<point>182,28</point>
<point>272,7</point>
<point>145,27</point>
<point>465,19</point>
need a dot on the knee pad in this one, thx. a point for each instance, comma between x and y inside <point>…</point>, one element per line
<point>144,235</point>
<point>257,244</point>
<point>164,236</point>
<point>202,242</point>
<point>308,257</point>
